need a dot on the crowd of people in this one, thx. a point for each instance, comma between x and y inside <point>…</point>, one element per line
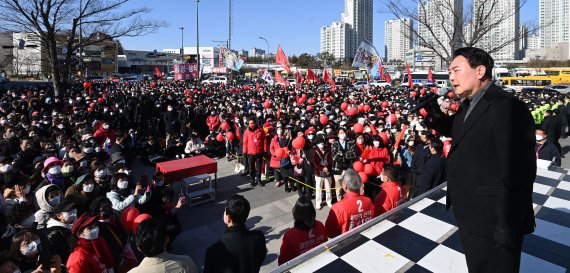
<point>70,197</point>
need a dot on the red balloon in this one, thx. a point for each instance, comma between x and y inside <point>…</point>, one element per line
<point>360,108</point>
<point>392,118</point>
<point>189,100</point>
<point>230,136</point>
<point>413,93</point>
<point>369,169</point>
<point>358,128</point>
<point>186,92</point>
<point>309,108</point>
<point>423,91</point>
<point>299,142</point>
<point>92,105</point>
<point>238,90</point>
<point>87,85</point>
<point>363,177</point>
<point>311,101</point>
<point>384,137</point>
<point>358,166</point>
<point>423,112</point>
<point>323,119</point>
<point>100,100</point>
<point>89,110</point>
<point>257,85</point>
<point>279,152</point>
<point>366,108</point>
<point>128,216</point>
<point>450,95</point>
<point>220,137</point>
<point>141,218</point>
<point>352,111</point>
<point>344,106</point>
<point>300,101</point>
<point>453,107</point>
<point>384,104</point>
<point>267,104</point>
<point>304,96</point>
<point>225,126</point>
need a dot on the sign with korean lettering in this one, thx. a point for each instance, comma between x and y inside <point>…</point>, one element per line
<point>185,72</point>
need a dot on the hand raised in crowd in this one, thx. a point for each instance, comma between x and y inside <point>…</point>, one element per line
<point>138,189</point>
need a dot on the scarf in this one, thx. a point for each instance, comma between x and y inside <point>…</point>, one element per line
<point>56,179</point>
<point>98,247</point>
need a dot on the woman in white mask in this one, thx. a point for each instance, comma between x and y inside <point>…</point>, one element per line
<point>25,249</point>
<point>58,230</point>
<point>83,192</point>
<point>91,253</point>
<point>123,196</point>
<point>48,197</point>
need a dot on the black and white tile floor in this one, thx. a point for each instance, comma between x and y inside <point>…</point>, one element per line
<point>423,237</point>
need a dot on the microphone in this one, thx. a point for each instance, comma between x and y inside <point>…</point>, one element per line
<point>429,98</point>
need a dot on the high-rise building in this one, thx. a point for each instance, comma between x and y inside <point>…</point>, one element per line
<point>438,22</point>
<point>554,22</point>
<point>398,36</point>
<point>533,42</point>
<point>503,37</point>
<point>256,52</point>
<point>343,38</point>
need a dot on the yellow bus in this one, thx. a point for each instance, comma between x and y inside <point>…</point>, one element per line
<point>560,75</point>
<point>518,83</point>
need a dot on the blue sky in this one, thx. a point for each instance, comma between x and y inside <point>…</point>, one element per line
<point>295,24</point>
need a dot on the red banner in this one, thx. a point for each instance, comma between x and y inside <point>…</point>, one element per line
<point>282,59</point>
<point>185,72</point>
<point>410,83</point>
<point>280,79</point>
<point>430,76</point>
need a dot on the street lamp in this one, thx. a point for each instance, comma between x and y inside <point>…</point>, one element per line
<point>182,48</point>
<point>267,50</point>
<point>197,39</point>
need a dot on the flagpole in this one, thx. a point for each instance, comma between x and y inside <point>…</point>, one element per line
<point>266,54</point>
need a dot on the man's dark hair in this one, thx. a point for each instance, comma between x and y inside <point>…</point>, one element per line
<point>437,145</point>
<point>237,207</point>
<point>393,172</point>
<point>542,130</point>
<point>476,57</point>
<point>151,237</point>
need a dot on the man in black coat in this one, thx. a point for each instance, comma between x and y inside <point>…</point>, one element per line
<point>240,249</point>
<point>546,150</point>
<point>435,169</point>
<point>491,165</point>
<point>563,114</point>
<point>553,127</point>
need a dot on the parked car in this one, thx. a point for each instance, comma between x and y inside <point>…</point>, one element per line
<point>380,83</point>
<point>564,89</point>
<point>4,80</point>
<point>216,79</point>
<point>134,78</point>
<point>360,84</point>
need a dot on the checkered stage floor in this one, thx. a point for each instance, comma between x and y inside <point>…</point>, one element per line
<point>423,237</point>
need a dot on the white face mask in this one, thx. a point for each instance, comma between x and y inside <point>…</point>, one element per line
<point>55,201</point>
<point>55,170</point>
<point>360,141</point>
<point>87,150</point>
<point>376,143</point>
<point>67,169</point>
<point>88,187</point>
<point>169,108</point>
<point>383,178</point>
<point>361,121</point>
<point>91,234</point>
<point>311,137</point>
<point>106,126</point>
<point>279,132</point>
<point>69,216</point>
<point>27,189</point>
<point>367,130</point>
<point>31,248</point>
<point>328,130</point>
<point>321,145</point>
<point>539,137</point>
<point>411,143</point>
<point>342,136</point>
<point>122,184</point>
<point>101,173</point>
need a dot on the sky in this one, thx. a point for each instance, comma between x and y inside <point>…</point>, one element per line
<point>294,24</point>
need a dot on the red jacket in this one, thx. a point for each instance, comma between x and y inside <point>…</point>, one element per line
<point>101,136</point>
<point>254,141</point>
<point>83,261</point>
<point>388,198</point>
<point>378,157</point>
<point>296,242</point>
<point>213,122</point>
<point>350,212</point>
<point>275,161</point>
<point>317,156</point>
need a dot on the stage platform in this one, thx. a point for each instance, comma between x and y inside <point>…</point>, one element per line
<point>422,236</point>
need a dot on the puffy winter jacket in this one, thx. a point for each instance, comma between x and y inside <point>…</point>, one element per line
<point>254,141</point>
<point>213,122</point>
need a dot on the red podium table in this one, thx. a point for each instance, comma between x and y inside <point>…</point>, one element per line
<point>179,169</point>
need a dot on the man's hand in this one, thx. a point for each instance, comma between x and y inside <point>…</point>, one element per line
<point>181,202</point>
<point>138,189</point>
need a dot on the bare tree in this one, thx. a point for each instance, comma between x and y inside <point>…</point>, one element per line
<point>445,25</point>
<point>57,24</point>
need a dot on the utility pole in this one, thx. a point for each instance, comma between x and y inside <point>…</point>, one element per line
<point>182,48</point>
<point>81,36</point>
<point>230,27</point>
<point>197,39</point>
<point>267,53</point>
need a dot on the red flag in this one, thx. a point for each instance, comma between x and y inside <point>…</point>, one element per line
<point>410,84</point>
<point>327,78</point>
<point>381,72</point>
<point>311,76</point>
<point>387,78</point>
<point>299,78</point>
<point>282,59</point>
<point>279,79</point>
<point>430,76</point>
<point>157,73</point>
